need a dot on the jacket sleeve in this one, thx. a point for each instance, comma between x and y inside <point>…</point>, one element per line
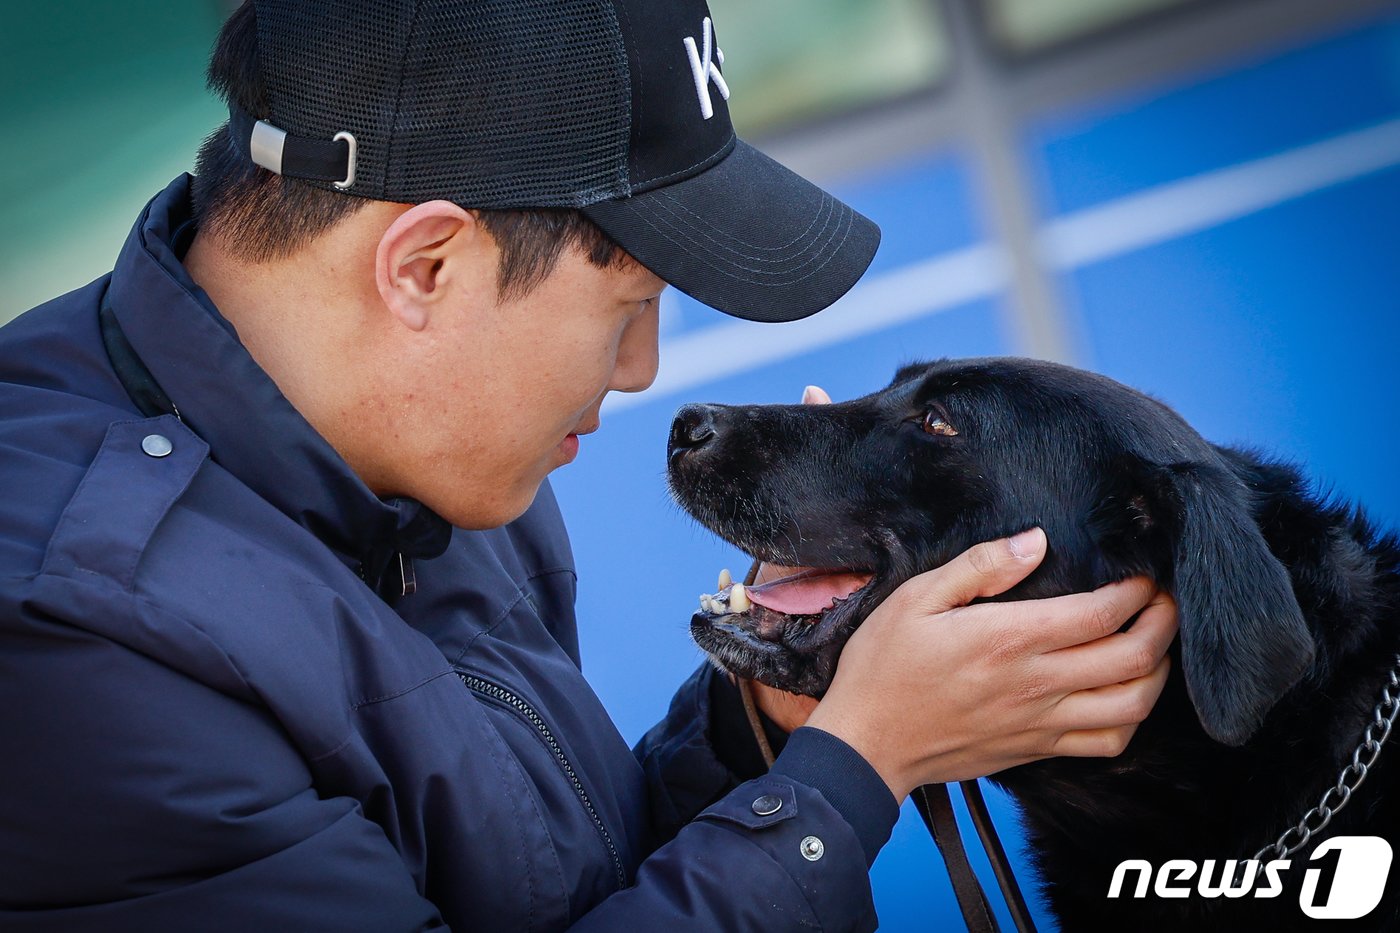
<point>772,855</point>
<point>704,749</point>
<point>134,798</point>
<point>684,772</point>
<point>734,861</point>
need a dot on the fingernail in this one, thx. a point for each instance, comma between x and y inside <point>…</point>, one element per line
<point>809,395</point>
<point>1027,543</point>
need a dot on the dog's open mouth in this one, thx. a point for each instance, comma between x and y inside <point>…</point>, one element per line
<point>769,629</point>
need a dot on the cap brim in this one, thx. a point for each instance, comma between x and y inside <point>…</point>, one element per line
<point>746,236</point>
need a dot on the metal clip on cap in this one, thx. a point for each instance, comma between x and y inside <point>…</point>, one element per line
<point>277,151</point>
<point>349,162</point>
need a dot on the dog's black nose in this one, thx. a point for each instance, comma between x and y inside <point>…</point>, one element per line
<point>693,428</point>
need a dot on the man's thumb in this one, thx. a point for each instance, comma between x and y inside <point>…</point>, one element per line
<point>986,569</point>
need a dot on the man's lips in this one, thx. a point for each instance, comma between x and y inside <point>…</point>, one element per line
<point>569,445</point>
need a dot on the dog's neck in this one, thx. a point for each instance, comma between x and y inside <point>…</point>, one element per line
<point>1176,793</point>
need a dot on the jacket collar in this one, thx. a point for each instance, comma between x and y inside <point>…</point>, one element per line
<point>253,431</point>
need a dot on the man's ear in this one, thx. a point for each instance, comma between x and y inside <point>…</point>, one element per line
<point>1244,642</point>
<point>419,255</point>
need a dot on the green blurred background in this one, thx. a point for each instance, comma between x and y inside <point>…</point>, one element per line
<point>103,104</point>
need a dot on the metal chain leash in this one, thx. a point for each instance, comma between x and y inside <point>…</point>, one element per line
<point>1339,795</point>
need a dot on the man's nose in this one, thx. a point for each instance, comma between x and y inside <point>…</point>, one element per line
<point>693,428</point>
<point>639,355</point>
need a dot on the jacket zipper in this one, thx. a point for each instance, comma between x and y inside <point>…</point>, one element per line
<point>502,695</point>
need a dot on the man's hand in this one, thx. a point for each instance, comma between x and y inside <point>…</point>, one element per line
<point>930,689</point>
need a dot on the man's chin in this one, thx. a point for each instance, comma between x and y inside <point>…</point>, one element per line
<point>480,514</point>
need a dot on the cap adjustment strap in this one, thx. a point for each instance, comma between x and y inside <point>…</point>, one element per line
<point>295,156</point>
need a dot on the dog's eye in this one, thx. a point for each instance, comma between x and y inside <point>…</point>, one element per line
<point>936,422</point>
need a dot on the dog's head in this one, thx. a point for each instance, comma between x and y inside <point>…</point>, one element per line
<point>852,499</point>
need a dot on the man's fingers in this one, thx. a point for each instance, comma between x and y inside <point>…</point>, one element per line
<point>986,569</point>
<point>1063,621</point>
<point>1094,743</point>
<point>1114,658</point>
<point>1125,704</point>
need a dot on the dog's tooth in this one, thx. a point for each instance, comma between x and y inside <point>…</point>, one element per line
<point>725,579</point>
<point>705,603</point>
<point>738,599</point>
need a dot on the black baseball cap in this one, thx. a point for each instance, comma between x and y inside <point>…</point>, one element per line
<point>615,107</point>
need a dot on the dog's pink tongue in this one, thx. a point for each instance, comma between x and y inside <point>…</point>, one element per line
<point>807,592</point>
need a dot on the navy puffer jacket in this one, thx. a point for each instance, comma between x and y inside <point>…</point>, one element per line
<point>220,711</point>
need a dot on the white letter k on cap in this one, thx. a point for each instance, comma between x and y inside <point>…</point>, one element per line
<point>703,70</point>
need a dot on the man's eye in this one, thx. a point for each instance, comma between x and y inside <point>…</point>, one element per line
<point>936,423</point>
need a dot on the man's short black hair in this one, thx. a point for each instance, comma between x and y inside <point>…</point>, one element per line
<point>259,215</point>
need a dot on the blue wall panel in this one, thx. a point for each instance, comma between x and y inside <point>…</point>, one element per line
<point>1112,148</point>
<point>1279,330</point>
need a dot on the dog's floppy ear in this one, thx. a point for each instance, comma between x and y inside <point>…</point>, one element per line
<point>1244,642</point>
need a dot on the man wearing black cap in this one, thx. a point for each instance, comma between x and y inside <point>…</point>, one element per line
<point>286,637</point>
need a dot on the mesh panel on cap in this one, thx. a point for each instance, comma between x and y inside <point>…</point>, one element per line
<point>489,103</point>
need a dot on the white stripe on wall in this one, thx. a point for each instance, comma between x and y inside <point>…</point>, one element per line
<point>1180,208</point>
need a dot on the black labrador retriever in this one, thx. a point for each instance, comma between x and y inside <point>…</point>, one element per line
<point>1289,611</point>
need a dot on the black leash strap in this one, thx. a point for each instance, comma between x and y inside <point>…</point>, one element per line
<point>934,805</point>
<point>1001,866</point>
